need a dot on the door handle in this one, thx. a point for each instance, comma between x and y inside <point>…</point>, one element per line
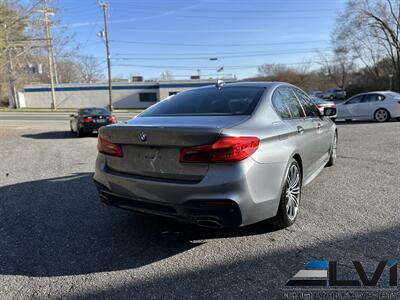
<point>300,129</point>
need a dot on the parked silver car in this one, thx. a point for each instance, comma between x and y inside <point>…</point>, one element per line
<point>379,106</point>
<point>321,104</point>
<point>224,155</point>
<point>333,94</point>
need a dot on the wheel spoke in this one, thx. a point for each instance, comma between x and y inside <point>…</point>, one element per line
<point>294,200</point>
<point>296,190</point>
<point>295,181</point>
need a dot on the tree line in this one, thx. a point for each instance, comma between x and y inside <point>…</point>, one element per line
<point>365,52</point>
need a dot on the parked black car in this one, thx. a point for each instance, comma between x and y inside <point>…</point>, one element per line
<point>89,120</point>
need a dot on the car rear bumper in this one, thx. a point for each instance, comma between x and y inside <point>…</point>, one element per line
<point>90,127</point>
<point>216,214</point>
<point>229,195</point>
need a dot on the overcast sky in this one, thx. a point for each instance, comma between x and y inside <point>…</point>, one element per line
<point>148,37</point>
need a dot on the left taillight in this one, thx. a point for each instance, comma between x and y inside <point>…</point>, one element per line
<point>108,148</point>
<point>226,149</point>
<point>87,120</point>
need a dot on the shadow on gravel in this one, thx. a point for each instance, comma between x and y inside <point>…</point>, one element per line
<point>264,276</point>
<point>51,135</point>
<point>58,227</point>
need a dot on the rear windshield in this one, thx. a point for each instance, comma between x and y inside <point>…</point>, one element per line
<point>94,111</point>
<point>208,102</point>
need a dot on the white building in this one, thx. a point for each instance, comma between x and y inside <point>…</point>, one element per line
<point>125,95</point>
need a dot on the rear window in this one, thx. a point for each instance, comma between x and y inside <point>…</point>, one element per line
<point>208,102</point>
<point>94,111</point>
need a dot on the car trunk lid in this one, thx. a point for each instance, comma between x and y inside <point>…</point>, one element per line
<point>151,145</point>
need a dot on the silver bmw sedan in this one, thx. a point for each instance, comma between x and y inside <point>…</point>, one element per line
<point>219,156</point>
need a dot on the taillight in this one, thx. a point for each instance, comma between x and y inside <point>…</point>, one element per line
<point>226,149</point>
<point>87,120</point>
<point>106,147</point>
<point>112,119</point>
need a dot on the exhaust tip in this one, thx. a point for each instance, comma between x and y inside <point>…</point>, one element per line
<point>209,223</point>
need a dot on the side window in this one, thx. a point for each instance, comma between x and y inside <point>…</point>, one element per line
<point>279,105</point>
<point>355,100</point>
<point>372,98</point>
<point>309,107</point>
<point>368,98</point>
<point>291,102</point>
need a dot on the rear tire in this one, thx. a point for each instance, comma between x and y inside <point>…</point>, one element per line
<point>290,197</point>
<point>333,153</point>
<point>381,115</point>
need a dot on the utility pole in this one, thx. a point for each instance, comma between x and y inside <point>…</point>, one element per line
<point>50,56</point>
<point>10,68</point>
<point>105,8</point>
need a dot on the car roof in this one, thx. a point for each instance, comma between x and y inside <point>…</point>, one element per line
<point>375,92</point>
<point>262,84</point>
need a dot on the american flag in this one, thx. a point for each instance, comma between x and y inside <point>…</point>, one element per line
<point>220,69</point>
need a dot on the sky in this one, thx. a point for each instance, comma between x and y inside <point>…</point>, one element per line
<point>152,36</point>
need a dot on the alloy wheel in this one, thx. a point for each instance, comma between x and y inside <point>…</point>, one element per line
<point>293,192</point>
<point>381,115</point>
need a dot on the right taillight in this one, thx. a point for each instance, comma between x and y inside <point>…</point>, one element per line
<point>226,149</point>
<point>108,148</point>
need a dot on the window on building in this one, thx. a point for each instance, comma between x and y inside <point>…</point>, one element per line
<point>148,97</point>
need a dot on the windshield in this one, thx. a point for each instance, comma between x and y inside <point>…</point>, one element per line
<point>94,111</point>
<point>209,101</point>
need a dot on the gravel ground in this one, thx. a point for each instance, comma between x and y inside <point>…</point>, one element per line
<point>58,241</point>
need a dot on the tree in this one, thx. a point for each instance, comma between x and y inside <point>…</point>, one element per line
<point>339,66</point>
<point>370,29</point>
<point>90,69</point>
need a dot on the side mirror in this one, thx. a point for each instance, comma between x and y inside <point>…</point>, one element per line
<point>330,112</point>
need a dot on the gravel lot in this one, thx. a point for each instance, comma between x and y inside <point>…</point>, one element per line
<point>58,241</point>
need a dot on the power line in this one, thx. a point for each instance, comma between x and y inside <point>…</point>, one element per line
<point>189,68</point>
<point>212,45</point>
<point>276,53</point>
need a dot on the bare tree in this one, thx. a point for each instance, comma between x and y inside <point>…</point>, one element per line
<point>370,28</point>
<point>90,69</point>
<point>338,66</point>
